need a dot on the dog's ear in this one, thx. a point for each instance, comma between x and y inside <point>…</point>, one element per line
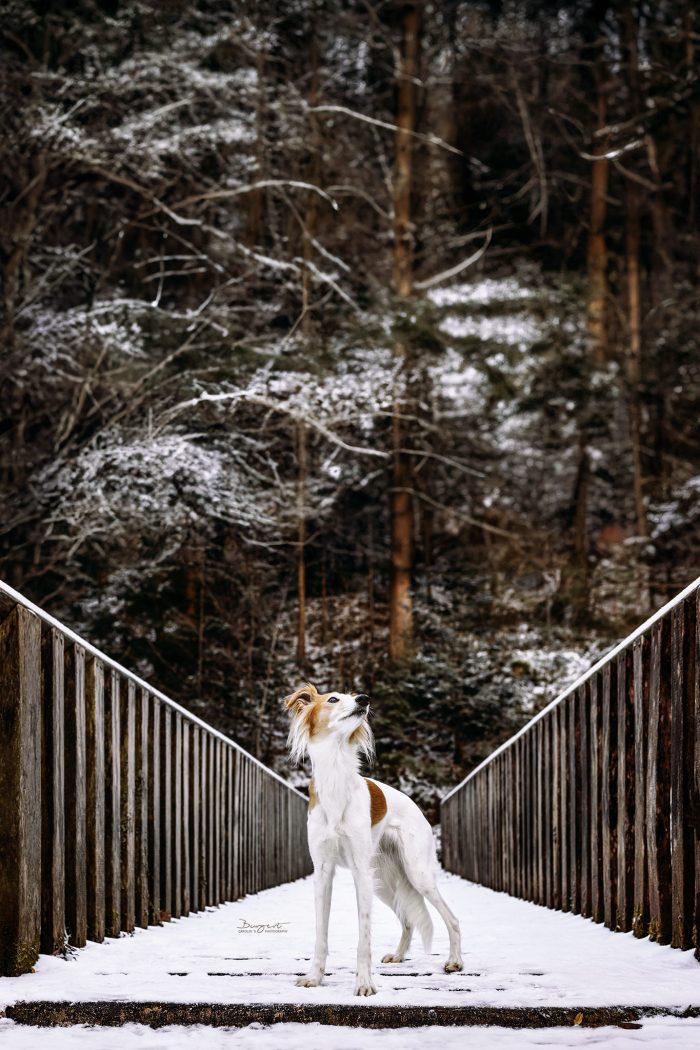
<point>298,701</point>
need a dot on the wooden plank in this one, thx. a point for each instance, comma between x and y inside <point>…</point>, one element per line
<point>194,799</point>
<point>75,773</point>
<point>166,814</point>
<point>555,809</point>
<point>682,741</point>
<point>547,848</point>
<point>585,781</point>
<point>574,742</point>
<point>608,801</point>
<point>229,825</point>
<point>528,814</point>
<point>695,776</point>
<point>564,816</point>
<point>113,877</point>
<point>141,887</point>
<point>185,830</point>
<point>128,807</point>
<point>210,819</point>
<point>595,733</point>
<point>53,916</point>
<point>154,813</point>
<point>237,787</point>
<point>176,828</point>
<point>20,791</point>
<point>95,798</point>
<point>216,813</point>
<point>625,790</point>
<point>203,816</point>
<point>658,784</point>
<point>518,821</point>
<point>640,677</point>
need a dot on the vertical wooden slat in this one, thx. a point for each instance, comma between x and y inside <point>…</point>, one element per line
<point>608,789</point>
<point>128,806</point>
<point>176,820</point>
<point>75,773</point>
<point>166,815</point>
<point>585,780</point>
<point>217,820</point>
<point>211,837</point>
<point>95,798</point>
<point>112,804</point>
<point>625,790</point>
<point>154,812</point>
<point>20,791</point>
<point>640,912</point>
<point>658,813</point>
<point>695,775</point>
<point>185,832</point>
<point>682,733</point>
<point>547,786</point>
<point>237,787</point>
<point>594,726</point>
<point>564,816</point>
<point>575,822</point>
<point>555,808</point>
<point>230,825</point>
<point>203,820</point>
<point>53,919</point>
<point>195,751</point>
<point>142,806</point>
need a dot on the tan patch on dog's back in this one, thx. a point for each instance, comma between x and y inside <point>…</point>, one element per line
<point>377,802</point>
<point>313,797</point>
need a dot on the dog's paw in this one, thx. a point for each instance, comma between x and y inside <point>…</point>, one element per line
<point>309,980</point>
<point>453,967</point>
<point>365,987</point>
<point>392,958</point>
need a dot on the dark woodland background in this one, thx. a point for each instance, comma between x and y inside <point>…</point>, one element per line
<point>254,430</point>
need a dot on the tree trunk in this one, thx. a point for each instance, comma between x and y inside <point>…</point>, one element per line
<point>597,256</point>
<point>632,256</point>
<point>401,600</point>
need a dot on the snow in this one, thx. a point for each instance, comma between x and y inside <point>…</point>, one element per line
<point>486,290</point>
<point>655,1033</point>
<point>515,954</point>
<point>511,329</point>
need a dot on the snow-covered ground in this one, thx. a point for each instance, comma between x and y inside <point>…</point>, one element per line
<point>515,954</point>
<point>654,1034</point>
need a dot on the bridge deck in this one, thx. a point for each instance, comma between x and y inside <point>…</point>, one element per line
<point>516,955</point>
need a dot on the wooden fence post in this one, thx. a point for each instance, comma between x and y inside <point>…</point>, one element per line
<point>20,791</point>
<point>95,798</point>
<point>75,772</point>
<point>53,874</point>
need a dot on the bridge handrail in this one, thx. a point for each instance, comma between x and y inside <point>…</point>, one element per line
<point>606,658</point>
<point>119,807</point>
<point>14,597</point>
<point>593,806</point>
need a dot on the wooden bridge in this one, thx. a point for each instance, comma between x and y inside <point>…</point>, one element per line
<point>120,811</point>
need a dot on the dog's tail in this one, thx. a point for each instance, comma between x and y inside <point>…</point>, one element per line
<point>406,901</point>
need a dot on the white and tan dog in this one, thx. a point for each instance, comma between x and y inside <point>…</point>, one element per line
<point>364,825</point>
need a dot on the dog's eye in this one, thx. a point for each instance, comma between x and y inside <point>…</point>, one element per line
<point>333,699</point>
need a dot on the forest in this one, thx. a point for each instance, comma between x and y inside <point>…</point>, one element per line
<point>351,343</point>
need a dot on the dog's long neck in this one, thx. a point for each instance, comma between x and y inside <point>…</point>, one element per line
<point>335,764</point>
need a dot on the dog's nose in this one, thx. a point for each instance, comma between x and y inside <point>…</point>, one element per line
<point>362,700</point>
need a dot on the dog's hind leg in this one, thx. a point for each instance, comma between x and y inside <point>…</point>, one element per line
<point>387,896</point>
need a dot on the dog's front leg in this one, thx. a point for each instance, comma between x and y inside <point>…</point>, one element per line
<point>362,875</point>
<point>323,886</point>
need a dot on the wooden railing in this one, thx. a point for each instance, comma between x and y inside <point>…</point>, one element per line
<point>594,806</point>
<point>119,808</point>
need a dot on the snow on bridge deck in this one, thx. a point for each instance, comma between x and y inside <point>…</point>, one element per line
<point>515,953</point>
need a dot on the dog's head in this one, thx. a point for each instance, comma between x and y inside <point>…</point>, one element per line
<point>335,716</point>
